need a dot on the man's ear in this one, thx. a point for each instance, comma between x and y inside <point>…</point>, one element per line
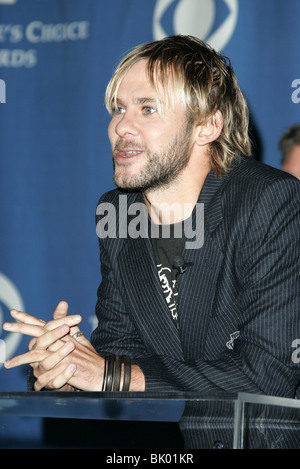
<point>210,130</point>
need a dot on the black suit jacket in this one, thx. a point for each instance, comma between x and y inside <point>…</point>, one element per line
<point>239,301</point>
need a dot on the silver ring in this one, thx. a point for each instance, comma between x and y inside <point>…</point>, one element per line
<point>77,334</point>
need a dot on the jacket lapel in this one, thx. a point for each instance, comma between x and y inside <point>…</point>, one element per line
<point>145,297</point>
<point>201,276</point>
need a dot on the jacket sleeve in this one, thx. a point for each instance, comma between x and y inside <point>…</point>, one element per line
<point>115,332</point>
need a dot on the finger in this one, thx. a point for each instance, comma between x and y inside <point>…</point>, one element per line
<point>29,357</point>
<point>55,358</point>
<point>26,318</point>
<point>26,329</point>
<point>71,321</point>
<point>40,352</point>
<point>51,337</point>
<point>61,310</point>
<point>53,347</point>
<point>32,343</point>
<point>34,325</point>
<point>80,337</point>
<point>37,331</point>
<point>55,379</point>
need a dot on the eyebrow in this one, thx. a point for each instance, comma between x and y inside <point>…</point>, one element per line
<point>138,101</point>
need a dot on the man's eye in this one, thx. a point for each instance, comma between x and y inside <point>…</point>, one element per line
<point>149,110</point>
<point>118,110</point>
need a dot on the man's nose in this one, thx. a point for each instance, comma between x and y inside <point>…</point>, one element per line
<point>127,125</point>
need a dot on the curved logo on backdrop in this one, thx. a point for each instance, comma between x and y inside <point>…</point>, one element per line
<point>212,21</point>
<point>10,298</point>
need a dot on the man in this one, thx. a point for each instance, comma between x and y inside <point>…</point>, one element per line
<point>179,136</point>
<point>289,145</point>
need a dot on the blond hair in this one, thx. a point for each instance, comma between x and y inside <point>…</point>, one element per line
<point>189,70</point>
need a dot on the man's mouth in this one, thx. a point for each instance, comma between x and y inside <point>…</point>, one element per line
<point>127,154</point>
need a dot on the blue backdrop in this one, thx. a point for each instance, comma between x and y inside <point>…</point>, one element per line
<point>56,57</point>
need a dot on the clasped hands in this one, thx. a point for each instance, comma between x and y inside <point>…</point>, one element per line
<point>59,360</point>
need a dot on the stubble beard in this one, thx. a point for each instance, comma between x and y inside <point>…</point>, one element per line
<point>162,168</point>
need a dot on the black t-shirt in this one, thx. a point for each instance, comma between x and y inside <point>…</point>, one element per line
<point>167,243</point>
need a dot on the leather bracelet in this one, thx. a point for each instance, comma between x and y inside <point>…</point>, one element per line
<point>127,372</point>
<point>110,369</point>
<point>117,373</point>
<point>112,373</point>
<point>104,374</point>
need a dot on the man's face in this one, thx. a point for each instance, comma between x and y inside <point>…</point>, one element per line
<point>149,150</point>
<point>292,163</point>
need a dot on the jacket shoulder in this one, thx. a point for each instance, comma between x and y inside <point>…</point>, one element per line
<point>258,171</point>
<point>251,178</point>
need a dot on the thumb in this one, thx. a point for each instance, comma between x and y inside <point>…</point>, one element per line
<point>61,310</point>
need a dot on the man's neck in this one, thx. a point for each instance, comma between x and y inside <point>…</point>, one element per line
<point>175,203</point>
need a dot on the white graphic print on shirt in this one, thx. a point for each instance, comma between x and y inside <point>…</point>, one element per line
<point>169,288</point>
